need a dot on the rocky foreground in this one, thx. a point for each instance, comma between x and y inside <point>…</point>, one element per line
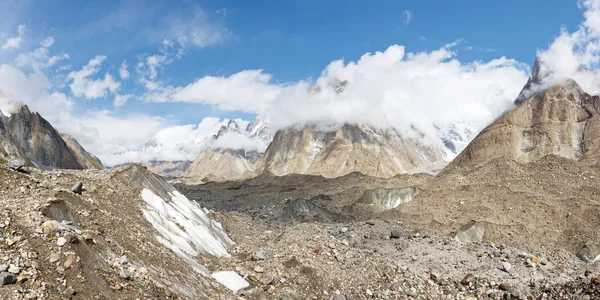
<point>295,237</point>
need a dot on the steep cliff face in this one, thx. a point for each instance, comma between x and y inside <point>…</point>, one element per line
<point>85,159</point>
<point>223,165</point>
<point>352,148</point>
<point>561,120</point>
<point>29,136</point>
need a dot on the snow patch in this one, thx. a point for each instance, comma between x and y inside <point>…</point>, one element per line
<point>5,112</point>
<point>230,280</point>
<point>184,228</point>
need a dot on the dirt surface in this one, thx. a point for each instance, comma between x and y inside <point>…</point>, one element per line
<point>319,241</point>
<point>96,245</point>
<point>309,237</point>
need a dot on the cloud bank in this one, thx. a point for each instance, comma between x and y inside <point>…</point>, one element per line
<point>389,88</point>
<point>575,55</point>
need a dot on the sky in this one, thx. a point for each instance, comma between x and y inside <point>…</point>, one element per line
<point>117,75</point>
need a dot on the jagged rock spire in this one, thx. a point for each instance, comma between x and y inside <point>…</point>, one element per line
<point>534,79</point>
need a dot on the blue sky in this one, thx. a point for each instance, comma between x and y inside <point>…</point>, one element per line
<point>290,40</point>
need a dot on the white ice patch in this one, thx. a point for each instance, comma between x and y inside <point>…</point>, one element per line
<point>184,227</point>
<point>5,112</point>
<point>231,280</point>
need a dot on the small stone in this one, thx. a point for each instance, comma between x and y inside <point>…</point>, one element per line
<point>60,270</point>
<point>259,269</point>
<point>7,278</point>
<point>143,270</point>
<point>504,286</point>
<point>396,234</point>
<point>14,269</point>
<point>125,274</point>
<point>77,188</point>
<point>22,278</point>
<point>468,279</point>
<point>69,261</point>
<point>69,291</point>
<point>3,268</point>
<point>16,164</point>
<point>371,222</point>
<point>86,213</point>
<point>11,242</point>
<point>505,266</point>
<point>258,255</point>
<point>50,227</point>
<point>88,238</point>
<point>344,229</point>
<point>123,260</point>
<point>54,257</point>
<point>61,241</point>
<point>118,286</point>
<point>271,290</point>
<point>339,297</point>
<point>340,257</point>
<point>266,280</point>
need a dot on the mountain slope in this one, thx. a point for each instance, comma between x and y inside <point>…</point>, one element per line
<point>222,160</point>
<point>168,168</point>
<point>29,136</point>
<point>85,159</point>
<point>352,148</point>
<point>561,120</point>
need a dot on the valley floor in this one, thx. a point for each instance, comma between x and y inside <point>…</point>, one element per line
<point>307,237</point>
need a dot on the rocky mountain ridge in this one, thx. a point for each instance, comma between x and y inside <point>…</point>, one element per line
<point>28,136</point>
<point>559,120</point>
<point>221,163</point>
<point>352,148</point>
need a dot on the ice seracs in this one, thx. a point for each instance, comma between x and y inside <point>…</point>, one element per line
<point>183,227</point>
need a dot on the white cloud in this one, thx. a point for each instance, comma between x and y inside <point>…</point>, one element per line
<point>15,42</point>
<point>83,86</point>
<point>121,99</point>
<point>234,140</point>
<point>104,133</point>
<point>47,42</point>
<point>250,91</point>
<point>40,58</point>
<point>172,143</point>
<point>407,90</point>
<point>196,29</point>
<point>100,132</point>
<point>406,16</point>
<point>390,88</point>
<point>123,71</point>
<point>575,55</point>
<point>222,11</point>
